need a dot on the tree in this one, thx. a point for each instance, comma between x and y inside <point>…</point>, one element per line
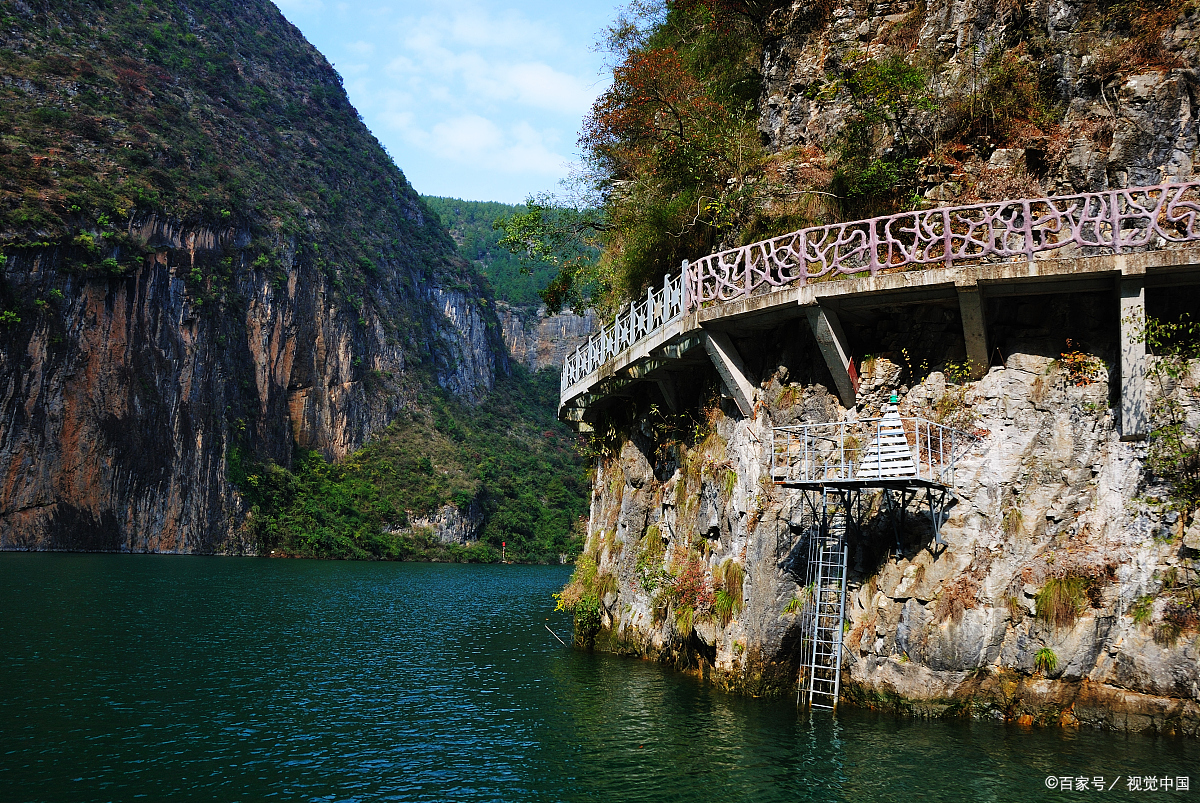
<point>668,149</point>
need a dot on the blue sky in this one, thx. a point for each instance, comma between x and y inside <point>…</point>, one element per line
<point>478,100</point>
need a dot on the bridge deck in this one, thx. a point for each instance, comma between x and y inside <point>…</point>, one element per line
<point>675,343</point>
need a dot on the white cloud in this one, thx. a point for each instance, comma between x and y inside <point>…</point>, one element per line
<point>544,87</point>
<point>466,91</point>
<point>474,140</point>
<point>395,109</point>
<point>469,136</point>
<point>401,65</point>
<point>511,31</point>
<point>529,153</point>
<point>485,81</point>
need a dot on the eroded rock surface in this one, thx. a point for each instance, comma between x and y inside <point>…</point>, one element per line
<point>1050,491</point>
<point>537,340</point>
<point>1129,113</point>
<point>122,406</point>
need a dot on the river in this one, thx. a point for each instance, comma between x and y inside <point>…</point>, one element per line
<point>154,677</point>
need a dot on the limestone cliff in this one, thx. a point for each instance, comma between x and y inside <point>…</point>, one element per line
<point>692,548</point>
<point>537,340</point>
<point>684,511</point>
<point>123,401</point>
<point>207,260</point>
<point>1015,99</point>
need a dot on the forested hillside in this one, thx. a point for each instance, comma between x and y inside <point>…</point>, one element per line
<point>514,279</point>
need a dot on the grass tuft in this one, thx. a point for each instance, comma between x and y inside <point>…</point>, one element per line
<point>1063,598</point>
<point>728,578</point>
<point>1045,661</point>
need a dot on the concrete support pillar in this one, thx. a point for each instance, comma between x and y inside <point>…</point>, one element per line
<point>666,386</point>
<point>832,341</point>
<point>1134,415</point>
<point>732,370</point>
<point>974,324</point>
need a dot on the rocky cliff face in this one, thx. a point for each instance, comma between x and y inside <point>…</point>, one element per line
<point>693,548</point>
<point>476,350</point>
<point>207,260</point>
<point>1017,100</point>
<point>1067,591</point>
<point>449,525</point>
<point>124,401</point>
<point>537,340</point>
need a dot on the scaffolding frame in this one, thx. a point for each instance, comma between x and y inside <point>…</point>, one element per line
<point>907,461</point>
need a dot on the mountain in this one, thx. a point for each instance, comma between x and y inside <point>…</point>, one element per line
<point>470,224</point>
<point>214,276</point>
<point>535,338</point>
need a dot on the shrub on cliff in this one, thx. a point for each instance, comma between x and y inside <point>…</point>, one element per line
<point>689,595</point>
<point>1174,445</point>
<point>1064,597</point>
<point>727,599</point>
<point>581,596</point>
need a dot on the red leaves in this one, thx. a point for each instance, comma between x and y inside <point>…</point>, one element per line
<point>131,80</point>
<point>654,105</point>
<point>691,589</point>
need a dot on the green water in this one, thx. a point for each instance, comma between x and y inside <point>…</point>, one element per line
<point>185,678</point>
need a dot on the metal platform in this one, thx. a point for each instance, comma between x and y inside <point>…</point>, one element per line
<point>907,461</point>
<point>868,451</point>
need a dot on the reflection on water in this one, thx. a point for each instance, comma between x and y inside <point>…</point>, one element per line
<point>221,678</point>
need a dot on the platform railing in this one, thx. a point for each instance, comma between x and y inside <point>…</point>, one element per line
<point>1087,224</point>
<point>843,451</point>
<point>1117,221</point>
<point>635,322</point>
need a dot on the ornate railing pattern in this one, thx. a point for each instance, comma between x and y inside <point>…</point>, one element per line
<point>1121,220</point>
<point>635,322</point>
<point>1117,220</point>
<point>855,450</point>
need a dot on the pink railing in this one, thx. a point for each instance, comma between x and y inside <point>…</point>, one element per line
<point>1114,221</point>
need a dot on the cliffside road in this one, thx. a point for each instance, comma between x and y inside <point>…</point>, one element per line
<point>954,254</point>
<point>1065,591</point>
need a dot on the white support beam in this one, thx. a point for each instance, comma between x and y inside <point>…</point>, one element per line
<point>1134,419</point>
<point>732,370</point>
<point>834,348</point>
<point>974,324</point>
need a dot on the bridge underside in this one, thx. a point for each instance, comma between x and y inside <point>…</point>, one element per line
<point>837,311</point>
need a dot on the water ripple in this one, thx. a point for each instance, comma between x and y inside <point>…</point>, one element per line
<point>241,679</point>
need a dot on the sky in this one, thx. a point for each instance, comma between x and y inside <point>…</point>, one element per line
<point>476,99</point>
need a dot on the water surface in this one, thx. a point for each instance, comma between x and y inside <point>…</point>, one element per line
<point>188,678</point>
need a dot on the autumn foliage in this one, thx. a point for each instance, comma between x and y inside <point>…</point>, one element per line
<point>674,164</point>
<point>655,110</point>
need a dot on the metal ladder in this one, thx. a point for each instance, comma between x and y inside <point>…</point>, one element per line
<point>825,609</point>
